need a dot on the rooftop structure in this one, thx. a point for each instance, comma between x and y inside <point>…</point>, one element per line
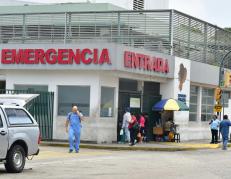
<point>166,31</point>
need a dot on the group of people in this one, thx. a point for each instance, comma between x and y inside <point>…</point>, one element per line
<point>223,126</point>
<point>133,127</point>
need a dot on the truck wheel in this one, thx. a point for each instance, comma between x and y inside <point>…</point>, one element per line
<point>15,160</point>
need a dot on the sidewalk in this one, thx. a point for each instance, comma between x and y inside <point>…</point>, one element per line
<point>151,146</point>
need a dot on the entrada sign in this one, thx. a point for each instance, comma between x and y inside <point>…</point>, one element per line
<point>55,56</point>
<point>145,62</point>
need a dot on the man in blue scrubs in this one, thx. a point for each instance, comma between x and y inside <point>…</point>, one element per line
<point>74,122</point>
<point>224,128</point>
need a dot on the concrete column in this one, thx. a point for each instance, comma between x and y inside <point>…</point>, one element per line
<point>199,104</point>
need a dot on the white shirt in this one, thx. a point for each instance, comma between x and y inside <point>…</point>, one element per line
<point>126,119</point>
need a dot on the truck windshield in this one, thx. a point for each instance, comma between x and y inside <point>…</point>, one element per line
<point>18,116</point>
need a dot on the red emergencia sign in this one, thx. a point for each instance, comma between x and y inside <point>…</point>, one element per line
<point>55,56</point>
<point>145,62</point>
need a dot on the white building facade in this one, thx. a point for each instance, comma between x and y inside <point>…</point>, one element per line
<point>106,61</point>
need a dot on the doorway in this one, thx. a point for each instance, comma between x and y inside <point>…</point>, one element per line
<point>140,100</point>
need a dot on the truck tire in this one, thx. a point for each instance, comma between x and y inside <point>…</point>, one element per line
<point>15,160</point>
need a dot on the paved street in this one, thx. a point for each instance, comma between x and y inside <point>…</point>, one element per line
<point>55,162</point>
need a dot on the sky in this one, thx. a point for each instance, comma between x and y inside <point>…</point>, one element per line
<point>216,12</point>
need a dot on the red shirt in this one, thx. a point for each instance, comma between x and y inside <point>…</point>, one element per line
<point>141,121</point>
<point>133,121</point>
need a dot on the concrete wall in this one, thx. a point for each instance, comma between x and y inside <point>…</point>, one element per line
<point>204,74</point>
<point>94,128</point>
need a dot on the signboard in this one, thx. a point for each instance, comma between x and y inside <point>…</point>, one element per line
<point>55,56</point>
<point>227,79</point>
<point>145,62</point>
<point>134,102</point>
<point>217,108</point>
<point>182,97</point>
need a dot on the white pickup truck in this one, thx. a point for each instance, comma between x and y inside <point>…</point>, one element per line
<point>19,132</point>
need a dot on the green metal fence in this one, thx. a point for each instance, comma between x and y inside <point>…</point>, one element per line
<point>41,108</point>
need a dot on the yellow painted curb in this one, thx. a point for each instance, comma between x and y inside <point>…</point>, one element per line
<point>181,147</point>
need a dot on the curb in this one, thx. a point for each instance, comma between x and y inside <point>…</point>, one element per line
<point>128,148</point>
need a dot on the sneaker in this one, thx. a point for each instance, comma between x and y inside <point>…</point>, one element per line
<point>131,144</point>
<point>77,151</point>
<point>70,151</point>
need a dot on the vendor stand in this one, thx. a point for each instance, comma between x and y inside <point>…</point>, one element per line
<point>166,129</point>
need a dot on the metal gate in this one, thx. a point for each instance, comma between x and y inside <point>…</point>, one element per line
<point>41,108</point>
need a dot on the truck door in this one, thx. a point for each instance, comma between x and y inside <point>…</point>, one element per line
<point>3,136</point>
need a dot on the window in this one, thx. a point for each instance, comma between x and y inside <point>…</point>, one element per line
<point>1,124</point>
<point>128,85</point>
<point>18,116</point>
<point>73,95</point>
<point>207,104</point>
<point>225,97</point>
<point>193,103</point>
<point>107,102</point>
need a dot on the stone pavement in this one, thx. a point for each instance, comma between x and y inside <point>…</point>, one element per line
<point>150,146</point>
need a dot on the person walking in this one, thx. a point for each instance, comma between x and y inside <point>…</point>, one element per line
<point>224,128</point>
<point>73,128</point>
<point>126,119</point>
<point>133,128</point>
<point>141,121</point>
<point>214,125</point>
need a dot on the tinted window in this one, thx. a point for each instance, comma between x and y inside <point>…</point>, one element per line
<point>73,95</point>
<point>128,85</point>
<point>1,124</point>
<point>18,116</point>
<point>107,102</point>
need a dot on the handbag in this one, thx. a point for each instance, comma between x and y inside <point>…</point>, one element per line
<point>121,132</point>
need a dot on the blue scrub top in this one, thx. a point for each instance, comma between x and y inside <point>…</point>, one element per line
<point>74,120</point>
<point>224,126</point>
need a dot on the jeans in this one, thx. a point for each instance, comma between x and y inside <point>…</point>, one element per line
<point>74,138</point>
<point>127,134</point>
<point>225,142</point>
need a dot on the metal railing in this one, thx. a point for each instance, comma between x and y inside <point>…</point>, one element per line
<point>166,31</point>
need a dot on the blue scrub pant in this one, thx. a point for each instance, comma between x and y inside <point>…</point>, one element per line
<point>74,138</point>
<point>225,141</point>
